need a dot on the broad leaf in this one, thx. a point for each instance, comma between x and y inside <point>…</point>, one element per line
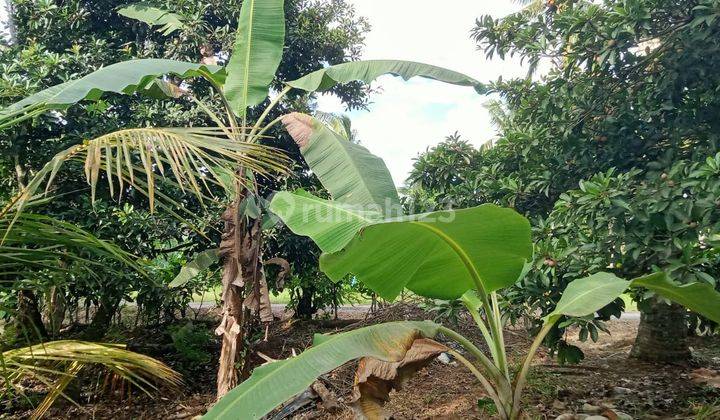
<point>330,224</point>
<point>201,262</point>
<point>275,383</point>
<point>438,255</point>
<point>700,298</point>
<point>257,53</point>
<point>125,77</point>
<point>369,70</point>
<point>153,16</point>
<point>347,170</point>
<point>588,295</point>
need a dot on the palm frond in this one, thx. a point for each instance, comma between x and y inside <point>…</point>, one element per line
<point>40,245</point>
<point>190,155</point>
<point>56,363</point>
<point>499,114</point>
<point>339,123</point>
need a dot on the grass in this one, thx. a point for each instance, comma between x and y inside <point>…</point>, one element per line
<point>213,295</point>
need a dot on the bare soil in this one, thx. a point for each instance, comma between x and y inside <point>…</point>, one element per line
<point>607,378</point>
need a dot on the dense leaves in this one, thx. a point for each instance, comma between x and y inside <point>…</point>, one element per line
<point>623,99</point>
<point>62,41</point>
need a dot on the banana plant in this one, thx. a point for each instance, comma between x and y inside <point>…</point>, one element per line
<point>201,158</point>
<point>470,254</point>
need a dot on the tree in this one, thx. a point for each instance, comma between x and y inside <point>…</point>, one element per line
<point>59,41</point>
<point>630,88</point>
<point>229,155</point>
<point>7,23</point>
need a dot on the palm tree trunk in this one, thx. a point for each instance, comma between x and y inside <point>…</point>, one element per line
<point>662,334</point>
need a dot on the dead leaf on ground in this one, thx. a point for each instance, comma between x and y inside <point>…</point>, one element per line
<point>374,379</point>
<point>706,376</point>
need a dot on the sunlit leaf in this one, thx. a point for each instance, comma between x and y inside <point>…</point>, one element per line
<point>167,21</point>
<point>256,54</point>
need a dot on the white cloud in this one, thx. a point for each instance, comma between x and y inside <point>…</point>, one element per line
<point>407,117</point>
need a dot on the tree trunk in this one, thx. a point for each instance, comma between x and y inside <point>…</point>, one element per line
<point>28,320</point>
<point>55,310</point>
<point>245,294</point>
<point>101,320</point>
<point>305,308</point>
<point>662,334</point>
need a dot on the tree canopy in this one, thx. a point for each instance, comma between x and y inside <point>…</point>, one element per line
<point>624,99</point>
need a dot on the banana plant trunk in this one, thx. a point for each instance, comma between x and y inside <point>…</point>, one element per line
<point>244,294</point>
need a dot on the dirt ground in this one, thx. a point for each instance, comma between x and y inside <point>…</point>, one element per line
<point>606,379</point>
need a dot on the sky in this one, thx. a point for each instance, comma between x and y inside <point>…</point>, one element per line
<point>408,117</point>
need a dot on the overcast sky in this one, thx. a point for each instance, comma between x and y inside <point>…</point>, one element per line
<point>408,117</point>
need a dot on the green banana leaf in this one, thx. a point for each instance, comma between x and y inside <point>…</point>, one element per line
<point>330,224</point>
<point>351,174</point>
<point>153,16</point>
<point>369,70</point>
<point>124,77</point>
<point>257,53</point>
<point>439,255</point>
<point>272,384</point>
<point>202,261</point>
<point>700,298</point>
<point>587,295</point>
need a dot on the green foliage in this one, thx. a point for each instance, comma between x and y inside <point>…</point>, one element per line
<point>126,77</point>
<point>482,248</point>
<point>191,343</point>
<point>256,53</point>
<point>202,261</point>
<point>68,40</point>
<point>362,177</point>
<point>446,311</point>
<point>153,16</point>
<point>369,70</point>
<point>626,105</point>
<point>470,252</point>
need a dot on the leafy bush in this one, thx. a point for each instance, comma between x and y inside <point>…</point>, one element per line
<point>631,222</point>
<point>192,343</point>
